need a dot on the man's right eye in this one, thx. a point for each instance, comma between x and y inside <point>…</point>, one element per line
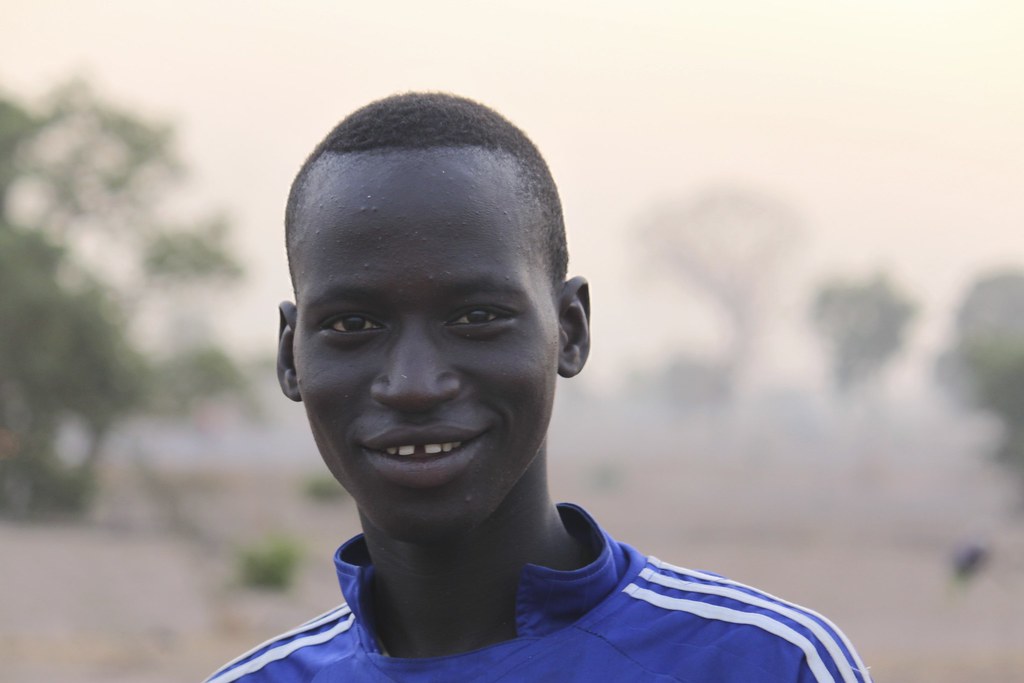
<point>353,323</point>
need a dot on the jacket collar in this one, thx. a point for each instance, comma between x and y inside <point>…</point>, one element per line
<point>547,600</point>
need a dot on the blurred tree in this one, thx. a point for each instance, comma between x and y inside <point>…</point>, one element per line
<point>684,380</point>
<point>863,324</point>
<point>727,243</point>
<point>81,245</point>
<point>984,365</point>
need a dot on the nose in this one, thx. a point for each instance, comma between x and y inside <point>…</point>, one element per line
<point>416,378</point>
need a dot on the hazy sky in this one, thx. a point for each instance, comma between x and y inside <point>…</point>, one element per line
<point>895,127</point>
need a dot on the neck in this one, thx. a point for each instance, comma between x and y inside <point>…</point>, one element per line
<point>459,594</point>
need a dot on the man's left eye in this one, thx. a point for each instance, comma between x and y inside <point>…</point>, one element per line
<point>475,317</point>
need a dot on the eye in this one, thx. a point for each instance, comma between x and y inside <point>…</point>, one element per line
<point>353,323</point>
<point>475,317</point>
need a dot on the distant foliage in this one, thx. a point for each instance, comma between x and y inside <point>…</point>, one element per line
<point>992,306</point>
<point>985,362</point>
<point>324,488</point>
<point>863,324</point>
<point>996,367</point>
<point>990,310</point>
<point>84,243</point>
<point>64,354</point>
<point>727,243</point>
<point>192,375</point>
<point>270,564</point>
<point>607,477</point>
<point>685,381</point>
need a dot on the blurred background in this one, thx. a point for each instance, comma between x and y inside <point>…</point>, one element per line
<point>802,224</point>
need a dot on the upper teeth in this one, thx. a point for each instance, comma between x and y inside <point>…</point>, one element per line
<point>428,448</point>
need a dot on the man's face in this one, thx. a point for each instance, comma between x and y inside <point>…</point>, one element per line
<point>426,339</point>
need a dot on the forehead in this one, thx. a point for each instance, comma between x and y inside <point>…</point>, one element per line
<point>455,208</point>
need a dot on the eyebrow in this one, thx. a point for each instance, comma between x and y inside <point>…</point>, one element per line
<point>477,284</point>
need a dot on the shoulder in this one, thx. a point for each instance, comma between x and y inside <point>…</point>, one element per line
<point>293,655</point>
<point>728,624</point>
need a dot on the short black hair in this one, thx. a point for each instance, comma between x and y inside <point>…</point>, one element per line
<point>431,120</point>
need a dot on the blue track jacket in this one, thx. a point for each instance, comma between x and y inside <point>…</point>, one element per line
<point>624,617</point>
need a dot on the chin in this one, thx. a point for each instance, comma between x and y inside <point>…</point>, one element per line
<point>430,524</point>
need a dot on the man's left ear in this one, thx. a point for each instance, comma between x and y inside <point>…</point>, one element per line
<point>574,326</point>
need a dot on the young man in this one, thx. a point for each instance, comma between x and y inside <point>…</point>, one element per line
<point>432,315</point>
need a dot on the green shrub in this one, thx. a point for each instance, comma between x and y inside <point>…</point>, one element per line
<point>270,564</point>
<point>996,367</point>
<point>606,477</point>
<point>324,488</point>
<point>39,485</point>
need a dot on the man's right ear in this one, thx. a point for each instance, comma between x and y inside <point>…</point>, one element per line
<point>286,375</point>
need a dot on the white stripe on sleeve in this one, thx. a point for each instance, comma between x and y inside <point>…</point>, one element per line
<point>282,651</point>
<point>826,639</point>
<point>859,664</point>
<point>765,623</point>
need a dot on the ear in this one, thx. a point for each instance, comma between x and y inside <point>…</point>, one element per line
<point>574,324</point>
<point>286,375</point>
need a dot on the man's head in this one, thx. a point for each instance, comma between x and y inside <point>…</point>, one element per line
<point>416,121</point>
<point>430,322</point>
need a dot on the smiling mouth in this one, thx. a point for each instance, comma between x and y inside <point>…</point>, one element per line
<point>423,465</point>
<point>420,450</point>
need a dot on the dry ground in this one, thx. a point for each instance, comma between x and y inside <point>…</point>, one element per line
<point>145,590</point>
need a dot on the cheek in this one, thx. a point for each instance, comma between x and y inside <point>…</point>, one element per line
<point>324,373</point>
<point>524,382</point>
<point>329,386</point>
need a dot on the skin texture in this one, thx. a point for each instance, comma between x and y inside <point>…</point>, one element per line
<point>425,314</point>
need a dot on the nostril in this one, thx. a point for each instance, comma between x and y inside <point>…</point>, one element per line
<point>415,391</point>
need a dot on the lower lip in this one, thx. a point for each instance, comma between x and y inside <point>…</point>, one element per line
<point>426,471</point>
